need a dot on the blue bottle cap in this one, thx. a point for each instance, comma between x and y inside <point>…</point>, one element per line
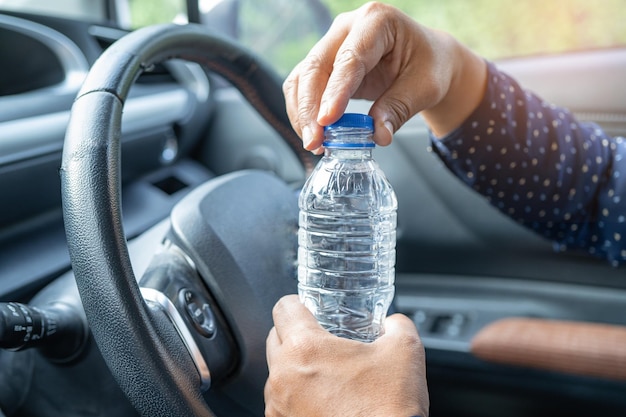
<point>350,120</point>
<point>353,120</point>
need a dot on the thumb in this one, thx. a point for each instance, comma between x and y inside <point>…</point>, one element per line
<point>291,317</point>
<point>401,335</point>
<point>401,338</point>
<point>392,110</point>
<point>399,325</point>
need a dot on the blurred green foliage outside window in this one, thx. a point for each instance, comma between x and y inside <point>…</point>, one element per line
<point>508,28</point>
<point>283,31</point>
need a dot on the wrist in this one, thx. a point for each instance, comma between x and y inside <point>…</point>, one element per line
<point>466,89</point>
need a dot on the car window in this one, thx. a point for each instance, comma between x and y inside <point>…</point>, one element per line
<point>280,31</point>
<point>494,29</point>
<point>283,31</point>
<point>510,28</point>
<point>138,13</point>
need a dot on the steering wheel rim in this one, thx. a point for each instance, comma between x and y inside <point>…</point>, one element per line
<point>131,342</point>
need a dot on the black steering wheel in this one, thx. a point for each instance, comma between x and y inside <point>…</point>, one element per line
<point>204,307</point>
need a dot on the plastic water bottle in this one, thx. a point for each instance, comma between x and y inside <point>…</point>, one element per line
<point>347,235</point>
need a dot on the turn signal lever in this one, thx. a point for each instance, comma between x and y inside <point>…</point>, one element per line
<point>56,329</point>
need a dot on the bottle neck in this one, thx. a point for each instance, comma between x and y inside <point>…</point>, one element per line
<point>348,143</point>
<point>348,153</point>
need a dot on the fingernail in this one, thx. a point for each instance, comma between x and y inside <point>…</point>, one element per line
<point>389,126</point>
<point>323,110</point>
<point>307,136</point>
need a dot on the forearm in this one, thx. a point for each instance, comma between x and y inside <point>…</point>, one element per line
<point>466,88</point>
<point>536,163</point>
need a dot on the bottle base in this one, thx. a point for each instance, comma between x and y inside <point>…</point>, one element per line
<point>356,315</point>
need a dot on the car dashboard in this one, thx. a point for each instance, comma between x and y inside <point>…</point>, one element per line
<point>166,112</point>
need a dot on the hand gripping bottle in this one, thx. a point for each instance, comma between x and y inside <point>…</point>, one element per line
<point>347,234</point>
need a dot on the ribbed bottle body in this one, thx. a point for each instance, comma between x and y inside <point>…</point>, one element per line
<point>347,240</point>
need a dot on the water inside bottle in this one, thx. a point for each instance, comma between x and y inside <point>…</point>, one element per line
<point>346,270</point>
<point>354,314</point>
<point>346,240</point>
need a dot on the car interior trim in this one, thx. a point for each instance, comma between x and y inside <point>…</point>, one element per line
<point>159,299</point>
<point>69,54</point>
<point>450,311</point>
<point>43,134</point>
<point>107,33</point>
<point>192,76</point>
<point>588,349</point>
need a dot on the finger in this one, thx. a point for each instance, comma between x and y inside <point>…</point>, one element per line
<point>408,366</point>
<point>383,128</point>
<point>399,326</point>
<point>267,395</point>
<point>392,110</point>
<point>290,91</point>
<point>311,136</point>
<point>272,345</point>
<point>419,84</point>
<point>292,317</point>
<point>297,110</point>
<point>363,48</point>
<point>313,74</point>
<point>401,338</point>
<point>311,82</point>
<point>270,409</point>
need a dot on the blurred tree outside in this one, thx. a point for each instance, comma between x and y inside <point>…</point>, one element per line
<point>148,12</point>
<point>280,31</point>
<point>501,29</point>
<point>495,29</point>
<point>283,31</point>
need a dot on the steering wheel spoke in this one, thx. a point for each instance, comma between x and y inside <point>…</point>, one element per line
<point>172,284</point>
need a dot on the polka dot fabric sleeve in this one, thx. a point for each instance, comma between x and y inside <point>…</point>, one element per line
<point>536,163</point>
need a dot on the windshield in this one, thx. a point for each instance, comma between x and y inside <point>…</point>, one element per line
<point>283,31</point>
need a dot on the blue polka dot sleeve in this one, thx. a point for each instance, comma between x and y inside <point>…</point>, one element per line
<point>536,163</point>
